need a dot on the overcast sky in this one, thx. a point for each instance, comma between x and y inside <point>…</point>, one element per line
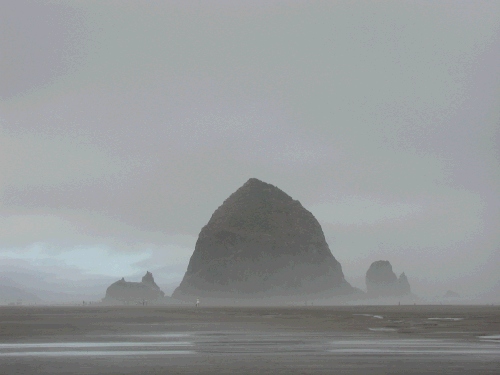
<point>124,125</point>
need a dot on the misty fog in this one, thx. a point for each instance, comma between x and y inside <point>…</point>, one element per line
<point>125,125</point>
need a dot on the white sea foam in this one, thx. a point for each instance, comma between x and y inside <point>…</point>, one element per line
<point>151,335</point>
<point>413,347</point>
<point>87,353</point>
<point>382,329</point>
<point>454,319</point>
<point>490,338</point>
<point>373,316</point>
<point>88,345</point>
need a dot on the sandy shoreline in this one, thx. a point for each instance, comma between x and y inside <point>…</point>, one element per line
<point>30,322</point>
<point>212,340</point>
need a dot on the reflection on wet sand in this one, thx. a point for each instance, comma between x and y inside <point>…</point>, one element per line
<point>323,340</point>
<point>86,353</point>
<point>255,343</point>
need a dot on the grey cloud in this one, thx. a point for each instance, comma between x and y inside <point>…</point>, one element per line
<point>43,41</point>
<point>137,121</point>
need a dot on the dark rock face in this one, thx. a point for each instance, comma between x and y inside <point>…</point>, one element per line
<point>381,281</point>
<point>134,293</point>
<point>261,243</point>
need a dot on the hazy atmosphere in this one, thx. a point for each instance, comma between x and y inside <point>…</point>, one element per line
<point>125,124</point>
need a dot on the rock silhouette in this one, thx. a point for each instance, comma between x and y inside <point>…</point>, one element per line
<point>261,243</point>
<point>381,281</point>
<point>132,292</point>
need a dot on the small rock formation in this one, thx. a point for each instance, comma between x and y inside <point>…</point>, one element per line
<point>261,243</point>
<point>404,285</point>
<point>127,292</point>
<point>451,294</point>
<point>150,281</point>
<point>381,281</point>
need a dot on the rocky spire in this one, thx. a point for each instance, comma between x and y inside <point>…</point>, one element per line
<point>404,285</point>
<point>132,292</point>
<point>381,281</point>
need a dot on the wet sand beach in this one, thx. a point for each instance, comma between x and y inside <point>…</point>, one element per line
<point>243,340</point>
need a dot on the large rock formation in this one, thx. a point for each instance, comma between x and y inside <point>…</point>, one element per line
<point>261,243</point>
<point>127,292</point>
<point>381,281</point>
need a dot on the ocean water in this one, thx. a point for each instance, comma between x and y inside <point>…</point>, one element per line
<point>231,352</point>
<point>193,343</point>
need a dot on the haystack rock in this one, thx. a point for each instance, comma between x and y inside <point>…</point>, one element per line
<point>261,243</point>
<point>127,292</point>
<point>381,281</point>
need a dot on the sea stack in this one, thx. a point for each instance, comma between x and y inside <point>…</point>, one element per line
<point>126,292</point>
<point>381,281</point>
<point>261,243</point>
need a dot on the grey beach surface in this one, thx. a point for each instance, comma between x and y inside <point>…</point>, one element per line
<point>250,340</point>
